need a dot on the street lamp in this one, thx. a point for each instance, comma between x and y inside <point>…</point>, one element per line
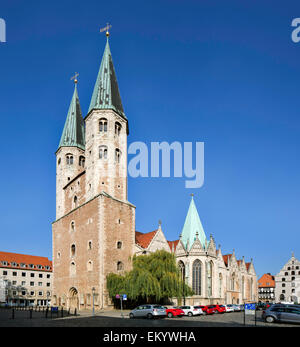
<point>93,291</point>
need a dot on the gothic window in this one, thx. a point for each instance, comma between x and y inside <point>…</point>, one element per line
<point>103,125</point>
<point>120,266</point>
<point>117,128</point>
<point>72,226</point>
<point>59,160</point>
<point>232,281</point>
<point>197,277</point>
<point>90,245</point>
<point>220,285</point>
<point>73,249</point>
<point>81,161</point>
<point>103,152</point>
<point>117,155</point>
<point>181,270</point>
<point>209,278</point>
<point>69,158</point>
<point>119,244</point>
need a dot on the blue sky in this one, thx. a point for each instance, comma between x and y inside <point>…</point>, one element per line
<point>223,72</point>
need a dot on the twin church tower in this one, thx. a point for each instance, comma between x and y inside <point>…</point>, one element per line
<point>94,231</point>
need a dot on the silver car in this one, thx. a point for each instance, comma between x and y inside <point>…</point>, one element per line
<point>282,313</point>
<point>148,311</point>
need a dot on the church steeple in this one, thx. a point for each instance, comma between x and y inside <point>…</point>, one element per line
<point>73,134</point>
<point>106,93</point>
<point>192,227</point>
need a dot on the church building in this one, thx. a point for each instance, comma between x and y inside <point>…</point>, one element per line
<point>94,231</point>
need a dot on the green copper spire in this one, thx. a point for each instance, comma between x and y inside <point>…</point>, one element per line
<point>73,134</point>
<point>192,225</point>
<point>106,91</point>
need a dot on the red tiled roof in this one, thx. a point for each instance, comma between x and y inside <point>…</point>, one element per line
<point>24,259</point>
<point>173,243</point>
<point>226,257</point>
<point>144,240</point>
<point>247,266</point>
<point>266,280</point>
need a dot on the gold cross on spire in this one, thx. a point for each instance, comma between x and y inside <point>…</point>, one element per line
<point>108,26</point>
<point>192,195</point>
<point>75,77</point>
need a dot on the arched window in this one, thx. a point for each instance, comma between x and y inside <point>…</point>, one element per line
<point>90,245</point>
<point>69,159</point>
<point>90,265</point>
<point>59,160</point>
<point>181,270</point>
<point>197,277</point>
<point>103,152</point>
<point>119,244</point>
<point>81,161</point>
<point>120,266</point>
<point>232,281</point>
<point>118,128</point>
<point>73,250</point>
<point>103,125</point>
<point>117,155</point>
<point>72,226</point>
<point>75,201</point>
<point>209,269</point>
<point>220,285</point>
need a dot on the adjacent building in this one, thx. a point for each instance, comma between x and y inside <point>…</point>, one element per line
<point>26,279</point>
<point>215,278</point>
<point>287,282</point>
<point>266,288</point>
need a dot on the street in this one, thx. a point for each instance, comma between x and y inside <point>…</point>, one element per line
<point>114,319</point>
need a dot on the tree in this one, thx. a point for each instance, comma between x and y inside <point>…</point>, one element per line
<point>154,278</point>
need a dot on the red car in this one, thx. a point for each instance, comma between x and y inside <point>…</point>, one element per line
<point>207,309</point>
<point>174,312</point>
<point>219,308</point>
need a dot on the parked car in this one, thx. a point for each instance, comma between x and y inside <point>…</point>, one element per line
<point>191,310</point>
<point>207,309</point>
<point>236,308</point>
<point>219,308</point>
<point>229,308</point>
<point>174,312</point>
<point>282,313</point>
<point>148,311</point>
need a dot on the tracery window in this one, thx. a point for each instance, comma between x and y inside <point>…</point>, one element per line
<point>197,277</point>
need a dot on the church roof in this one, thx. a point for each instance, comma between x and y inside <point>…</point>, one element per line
<point>73,134</point>
<point>192,226</point>
<point>173,243</point>
<point>226,258</point>
<point>106,91</point>
<point>144,240</point>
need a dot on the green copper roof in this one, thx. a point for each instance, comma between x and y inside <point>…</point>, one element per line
<point>106,91</point>
<point>73,134</point>
<point>192,225</point>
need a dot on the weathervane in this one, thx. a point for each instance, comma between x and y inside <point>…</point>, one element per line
<point>75,77</point>
<point>108,26</point>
